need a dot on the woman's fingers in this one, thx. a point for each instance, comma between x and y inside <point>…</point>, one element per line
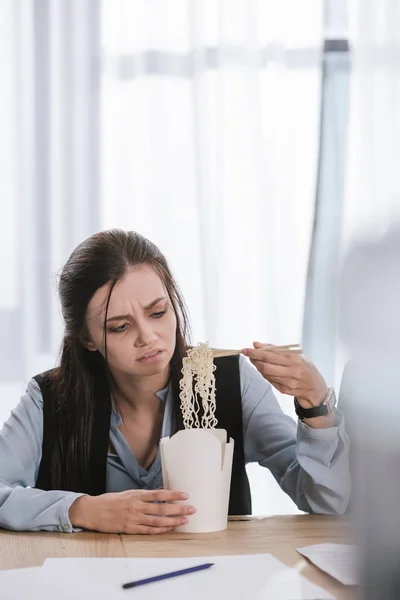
<point>291,374</point>
<point>285,383</point>
<point>274,358</point>
<point>158,521</point>
<point>260,345</point>
<point>270,370</point>
<point>146,530</point>
<point>150,508</point>
<point>162,496</point>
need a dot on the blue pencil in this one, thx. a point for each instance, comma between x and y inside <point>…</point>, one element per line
<point>132,584</point>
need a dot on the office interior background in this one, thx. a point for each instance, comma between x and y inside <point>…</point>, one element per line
<point>253,140</point>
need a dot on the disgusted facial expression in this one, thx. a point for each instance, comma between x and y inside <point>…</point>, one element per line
<point>140,323</point>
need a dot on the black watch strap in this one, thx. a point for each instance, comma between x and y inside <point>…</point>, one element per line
<point>325,408</point>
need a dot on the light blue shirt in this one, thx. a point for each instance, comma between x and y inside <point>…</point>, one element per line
<point>311,465</point>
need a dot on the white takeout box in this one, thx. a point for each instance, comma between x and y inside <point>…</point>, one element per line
<point>199,462</point>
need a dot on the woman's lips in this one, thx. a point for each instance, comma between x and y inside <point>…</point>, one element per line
<point>152,357</point>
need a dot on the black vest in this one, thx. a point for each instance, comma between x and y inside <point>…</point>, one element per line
<point>228,412</point>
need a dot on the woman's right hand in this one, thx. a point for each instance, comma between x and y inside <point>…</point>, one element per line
<point>133,511</point>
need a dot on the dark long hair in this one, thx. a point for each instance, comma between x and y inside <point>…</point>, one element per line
<point>82,380</point>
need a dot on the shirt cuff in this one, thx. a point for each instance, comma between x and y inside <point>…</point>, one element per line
<point>65,525</point>
<point>321,444</point>
<point>329,433</point>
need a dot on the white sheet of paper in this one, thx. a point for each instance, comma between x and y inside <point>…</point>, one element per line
<point>288,584</point>
<point>338,560</point>
<point>250,577</point>
<point>247,577</point>
<point>22,583</point>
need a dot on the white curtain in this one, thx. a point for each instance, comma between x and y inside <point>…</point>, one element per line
<point>210,128</point>
<point>49,182</point>
<point>372,190</point>
<point>194,122</point>
<point>373,184</point>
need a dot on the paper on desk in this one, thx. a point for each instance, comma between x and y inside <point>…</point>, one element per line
<point>21,583</point>
<point>288,584</point>
<point>338,560</point>
<point>249,577</point>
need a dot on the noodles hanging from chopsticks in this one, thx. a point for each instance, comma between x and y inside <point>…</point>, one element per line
<point>198,368</point>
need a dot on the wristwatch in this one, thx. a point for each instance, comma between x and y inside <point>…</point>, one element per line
<point>325,408</point>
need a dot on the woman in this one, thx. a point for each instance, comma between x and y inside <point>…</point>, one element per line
<point>81,448</point>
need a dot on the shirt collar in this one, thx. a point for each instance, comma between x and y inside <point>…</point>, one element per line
<point>161,395</point>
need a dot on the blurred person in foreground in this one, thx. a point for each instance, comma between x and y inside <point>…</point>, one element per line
<point>370,328</point>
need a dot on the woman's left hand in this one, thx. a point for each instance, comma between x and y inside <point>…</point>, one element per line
<point>291,374</point>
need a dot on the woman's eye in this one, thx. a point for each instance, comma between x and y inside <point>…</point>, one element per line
<point>120,328</point>
<point>158,315</point>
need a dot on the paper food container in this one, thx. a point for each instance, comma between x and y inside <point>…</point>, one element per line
<point>199,462</point>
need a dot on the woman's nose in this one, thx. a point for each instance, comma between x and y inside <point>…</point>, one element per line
<point>146,335</point>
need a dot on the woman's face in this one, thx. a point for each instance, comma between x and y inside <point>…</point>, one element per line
<point>141,323</point>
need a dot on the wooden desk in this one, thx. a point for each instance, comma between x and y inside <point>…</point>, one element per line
<point>276,535</point>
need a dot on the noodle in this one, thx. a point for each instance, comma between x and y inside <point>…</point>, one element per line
<point>198,368</point>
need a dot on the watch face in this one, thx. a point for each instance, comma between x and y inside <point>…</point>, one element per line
<point>330,400</point>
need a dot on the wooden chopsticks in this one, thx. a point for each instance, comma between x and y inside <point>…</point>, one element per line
<point>287,349</point>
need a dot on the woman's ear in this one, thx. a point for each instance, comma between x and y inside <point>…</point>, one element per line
<point>87,342</point>
<point>89,345</point>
